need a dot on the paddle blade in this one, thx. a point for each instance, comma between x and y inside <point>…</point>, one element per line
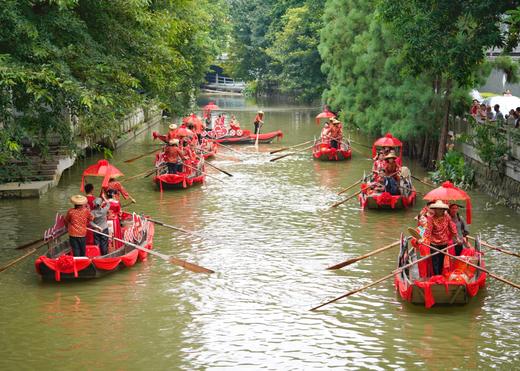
<point>344,264</point>
<point>278,150</point>
<point>413,232</point>
<point>190,266</point>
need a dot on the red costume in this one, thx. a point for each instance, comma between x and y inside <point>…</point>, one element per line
<point>116,186</point>
<point>440,230</point>
<point>77,220</point>
<point>172,154</point>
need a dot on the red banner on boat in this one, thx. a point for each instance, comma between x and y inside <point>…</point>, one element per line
<point>57,229</point>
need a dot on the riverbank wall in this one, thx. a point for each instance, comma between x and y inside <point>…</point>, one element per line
<point>48,171</point>
<point>503,185</point>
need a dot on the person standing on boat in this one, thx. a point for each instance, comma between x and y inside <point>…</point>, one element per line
<point>173,157</point>
<point>440,232</point>
<point>100,213</point>
<point>392,174</point>
<point>89,190</point>
<point>118,188</point>
<point>335,134</point>
<point>259,121</point>
<point>462,229</point>
<point>172,134</point>
<point>77,220</point>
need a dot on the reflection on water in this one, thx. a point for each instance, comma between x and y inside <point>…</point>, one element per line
<point>268,232</point>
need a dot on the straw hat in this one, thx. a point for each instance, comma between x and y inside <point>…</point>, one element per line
<point>390,155</point>
<point>173,142</point>
<point>260,112</point>
<point>78,200</point>
<point>439,205</point>
<point>172,126</point>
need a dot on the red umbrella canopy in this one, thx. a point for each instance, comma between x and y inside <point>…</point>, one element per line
<point>102,168</point>
<point>326,114</point>
<point>387,141</point>
<point>448,192</point>
<point>210,106</point>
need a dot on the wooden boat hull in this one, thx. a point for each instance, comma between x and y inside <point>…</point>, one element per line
<point>438,290</point>
<point>324,152</point>
<point>386,201</point>
<point>192,175</point>
<point>59,265</point>
<point>250,138</point>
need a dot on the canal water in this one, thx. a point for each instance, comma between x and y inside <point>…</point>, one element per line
<point>268,234</point>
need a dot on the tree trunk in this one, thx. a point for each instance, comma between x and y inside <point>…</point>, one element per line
<point>445,124</point>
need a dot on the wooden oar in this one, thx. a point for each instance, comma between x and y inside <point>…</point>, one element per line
<point>361,257</point>
<point>353,185</point>
<point>13,262</point>
<point>286,148</point>
<point>419,180</point>
<point>202,172</point>
<point>231,149</point>
<point>136,176</point>
<point>346,199</point>
<point>154,170</point>
<point>501,279</point>
<point>373,283</point>
<point>216,168</point>
<point>138,157</point>
<point>497,248</point>
<point>181,263</point>
<point>257,136</point>
<point>360,144</point>
<point>37,244</point>
<point>289,154</point>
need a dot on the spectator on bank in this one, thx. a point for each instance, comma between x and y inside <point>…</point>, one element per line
<point>482,113</point>
<point>511,118</point>
<point>474,108</point>
<point>499,116</point>
<point>490,115</point>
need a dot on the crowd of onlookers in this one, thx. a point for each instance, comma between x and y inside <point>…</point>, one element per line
<point>485,113</point>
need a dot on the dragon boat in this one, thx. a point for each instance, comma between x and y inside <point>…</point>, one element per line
<point>457,285</point>
<point>192,174</point>
<point>59,264</point>
<point>324,152</point>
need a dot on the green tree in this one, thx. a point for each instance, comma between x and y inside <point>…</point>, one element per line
<point>445,40</point>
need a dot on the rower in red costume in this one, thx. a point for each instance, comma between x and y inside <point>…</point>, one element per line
<point>173,157</point>
<point>391,167</point>
<point>335,134</point>
<point>117,188</point>
<point>234,124</point>
<point>440,232</point>
<point>379,163</point>
<point>172,134</point>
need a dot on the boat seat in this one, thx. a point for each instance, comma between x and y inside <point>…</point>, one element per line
<point>92,251</point>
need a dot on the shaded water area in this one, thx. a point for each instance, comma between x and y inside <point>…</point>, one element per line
<point>269,236</point>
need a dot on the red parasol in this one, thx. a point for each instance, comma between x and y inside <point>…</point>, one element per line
<point>211,106</point>
<point>448,192</point>
<point>387,141</point>
<point>326,114</point>
<point>102,168</point>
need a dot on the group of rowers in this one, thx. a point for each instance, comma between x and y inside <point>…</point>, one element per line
<point>182,144</point>
<point>332,133</point>
<point>100,213</point>
<point>388,175</point>
<point>440,225</point>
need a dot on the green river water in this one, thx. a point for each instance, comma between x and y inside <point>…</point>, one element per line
<point>269,236</point>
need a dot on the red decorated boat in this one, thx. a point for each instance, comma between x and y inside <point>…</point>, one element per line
<point>224,135</point>
<point>192,174</point>
<point>58,264</point>
<point>457,285</point>
<point>324,152</point>
<point>370,198</point>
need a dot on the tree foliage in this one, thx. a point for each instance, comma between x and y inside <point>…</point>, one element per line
<point>97,60</point>
<point>275,45</point>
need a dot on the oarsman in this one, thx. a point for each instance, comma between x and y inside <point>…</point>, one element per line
<point>234,124</point>
<point>440,232</point>
<point>172,134</point>
<point>173,157</point>
<point>99,213</point>
<point>117,188</point>
<point>259,121</point>
<point>335,134</point>
<point>392,174</point>
<point>462,229</point>
<point>77,220</point>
